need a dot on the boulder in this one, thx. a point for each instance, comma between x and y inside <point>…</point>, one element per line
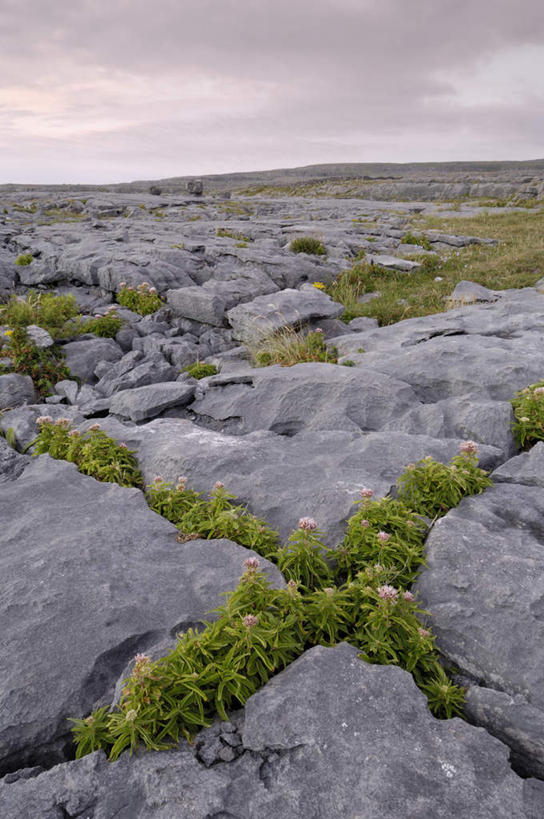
<point>16,390</point>
<point>287,308</point>
<point>147,402</point>
<point>198,304</point>
<point>82,356</point>
<point>85,588</point>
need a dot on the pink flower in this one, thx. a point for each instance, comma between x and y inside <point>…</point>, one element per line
<point>94,427</point>
<point>409,597</point>
<point>252,564</point>
<point>318,330</point>
<point>153,290</point>
<point>74,433</point>
<point>365,524</point>
<point>157,479</point>
<point>62,422</point>
<point>308,524</point>
<point>122,284</point>
<point>388,592</point>
<point>292,587</point>
<point>539,391</point>
<point>423,632</point>
<point>181,484</point>
<point>44,419</point>
<point>469,447</point>
<point>123,446</point>
<point>329,591</point>
<point>383,537</point>
<point>250,620</point>
<point>218,485</point>
<point>365,492</point>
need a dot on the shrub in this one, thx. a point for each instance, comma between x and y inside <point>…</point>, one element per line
<point>217,518</point>
<point>44,309</point>
<point>200,370</point>
<point>528,406</point>
<point>106,326</point>
<point>302,557</point>
<point>431,488</point>
<point>421,240</point>
<point>44,365</point>
<point>307,244</point>
<point>142,299</point>
<point>93,452</point>
<point>24,259</point>
<point>288,347</point>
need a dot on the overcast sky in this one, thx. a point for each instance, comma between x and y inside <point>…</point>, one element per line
<point>115,90</point>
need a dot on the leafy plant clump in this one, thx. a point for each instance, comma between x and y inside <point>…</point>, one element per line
<point>431,488</point>
<point>106,326</point>
<point>421,240</point>
<point>218,517</point>
<point>288,347</point>
<point>93,452</point>
<point>200,370</point>
<point>232,234</point>
<point>45,366</point>
<point>47,310</point>
<point>142,299</point>
<point>24,259</point>
<point>528,406</point>
<point>307,244</point>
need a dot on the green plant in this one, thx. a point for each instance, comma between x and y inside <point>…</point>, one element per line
<point>421,240</point>
<point>44,365</point>
<point>528,406</point>
<point>431,488</point>
<point>348,363</point>
<point>142,299</point>
<point>24,259</point>
<point>307,244</point>
<point>232,234</point>
<point>106,326</point>
<point>93,452</point>
<point>289,346</point>
<point>383,532</point>
<point>302,557</point>
<point>200,370</point>
<point>47,310</point>
<point>218,517</point>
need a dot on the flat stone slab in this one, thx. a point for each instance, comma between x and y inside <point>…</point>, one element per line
<point>149,401</point>
<point>90,576</point>
<point>16,390</point>
<point>287,308</point>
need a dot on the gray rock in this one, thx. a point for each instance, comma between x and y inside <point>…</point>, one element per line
<point>316,473</point>
<point>85,589</point>
<point>363,323</point>
<point>467,292</point>
<point>135,371</point>
<point>526,469</point>
<point>197,304</point>
<point>38,336</point>
<point>344,738</point>
<point>23,420</point>
<point>147,402</point>
<point>195,186</point>
<point>484,587</point>
<point>11,463</point>
<point>287,308</point>
<point>82,356</point>
<point>67,389</point>
<point>16,390</point>
<point>393,262</point>
<point>287,400</point>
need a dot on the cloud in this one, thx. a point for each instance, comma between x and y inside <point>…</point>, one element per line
<point>126,89</point>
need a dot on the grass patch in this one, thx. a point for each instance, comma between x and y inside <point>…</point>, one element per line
<point>308,244</point>
<point>289,346</point>
<point>44,309</point>
<point>517,261</point>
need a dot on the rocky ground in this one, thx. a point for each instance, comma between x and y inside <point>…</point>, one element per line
<point>91,575</point>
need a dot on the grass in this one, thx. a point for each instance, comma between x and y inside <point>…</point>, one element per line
<point>308,244</point>
<point>289,346</point>
<point>517,261</point>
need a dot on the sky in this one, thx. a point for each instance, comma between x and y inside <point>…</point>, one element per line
<point>115,90</point>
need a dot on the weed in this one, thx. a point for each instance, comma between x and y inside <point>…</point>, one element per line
<point>288,347</point>
<point>44,365</point>
<point>307,244</point>
<point>24,259</point>
<point>421,240</point>
<point>200,370</point>
<point>142,299</point>
<point>528,406</point>
<point>106,326</point>
<point>44,309</point>
<point>231,234</point>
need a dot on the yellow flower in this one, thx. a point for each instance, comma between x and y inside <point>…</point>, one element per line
<point>8,332</point>
<point>319,285</point>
